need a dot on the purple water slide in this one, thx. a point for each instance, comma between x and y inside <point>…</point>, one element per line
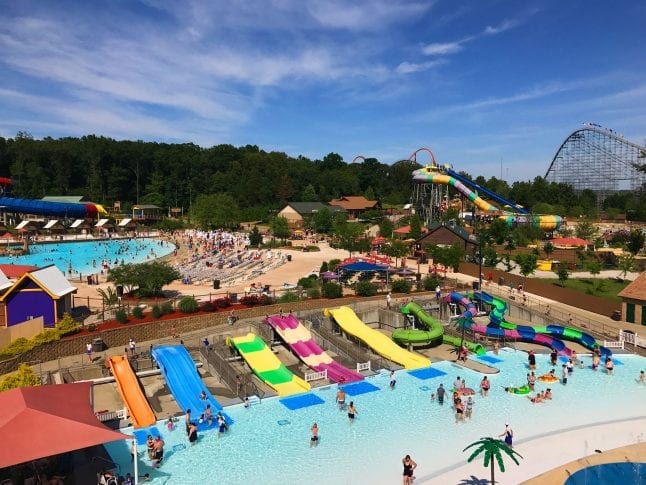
<point>305,348</point>
<point>556,344</point>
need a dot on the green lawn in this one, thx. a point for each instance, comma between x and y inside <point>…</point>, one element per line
<point>602,287</point>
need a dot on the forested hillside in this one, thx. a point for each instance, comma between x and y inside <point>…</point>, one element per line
<point>174,175</point>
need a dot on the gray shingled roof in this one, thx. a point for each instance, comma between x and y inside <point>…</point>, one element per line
<point>52,279</point>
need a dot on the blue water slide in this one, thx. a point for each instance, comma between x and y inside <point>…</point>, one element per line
<point>44,208</point>
<point>487,192</point>
<point>526,332</point>
<point>183,380</point>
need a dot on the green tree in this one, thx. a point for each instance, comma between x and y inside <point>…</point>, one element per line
<point>548,248</point>
<point>386,228</point>
<point>147,278</point>
<point>636,241</point>
<point>322,220</point>
<point>280,228</point>
<point>563,273</point>
<point>490,256</point>
<point>593,266</point>
<point>526,263</point>
<point>396,249</point>
<point>415,227</point>
<point>255,238</point>
<point>586,230</point>
<point>350,236</point>
<point>626,263</point>
<point>493,451</point>
<point>498,231</point>
<point>309,194</point>
<point>215,210</point>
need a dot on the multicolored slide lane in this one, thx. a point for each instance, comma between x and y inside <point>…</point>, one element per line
<point>133,397</point>
<point>380,343</point>
<point>267,366</point>
<point>434,334</point>
<point>300,341</point>
<point>183,380</point>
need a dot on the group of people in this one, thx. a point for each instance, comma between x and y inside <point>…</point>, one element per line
<point>155,449</point>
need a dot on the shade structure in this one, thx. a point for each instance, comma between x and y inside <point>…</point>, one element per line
<point>329,275</point>
<point>364,266</point>
<point>36,422</point>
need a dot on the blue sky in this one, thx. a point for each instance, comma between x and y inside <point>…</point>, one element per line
<point>476,81</point>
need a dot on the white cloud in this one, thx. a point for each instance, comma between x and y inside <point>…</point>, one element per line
<point>411,67</point>
<point>503,26</point>
<point>442,49</point>
<point>364,14</point>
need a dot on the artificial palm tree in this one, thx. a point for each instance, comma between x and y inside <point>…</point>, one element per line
<point>492,448</point>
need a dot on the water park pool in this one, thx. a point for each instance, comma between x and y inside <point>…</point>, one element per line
<point>269,443</point>
<point>610,474</point>
<point>85,257</point>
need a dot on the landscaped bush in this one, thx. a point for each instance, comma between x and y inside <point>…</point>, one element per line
<point>207,306</point>
<point>156,311</point>
<point>67,325</point>
<point>91,327</point>
<point>266,300</point>
<point>250,300</point>
<point>17,347</point>
<point>48,335</point>
<point>23,377</point>
<point>167,308</point>
<point>222,302</point>
<point>308,282</point>
<point>121,316</point>
<point>366,288</point>
<point>188,304</point>
<point>314,292</point>
<point>288,297</point>
<point>137,312</point>
<point>311,249</point>
<point>431,282</point>
<point>400,286</point>
<point>332,290</point>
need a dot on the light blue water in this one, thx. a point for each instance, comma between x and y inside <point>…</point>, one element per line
<point>85,257</point>
<point>269,444</point>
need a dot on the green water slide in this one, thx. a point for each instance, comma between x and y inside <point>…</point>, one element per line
<point>434,335</point>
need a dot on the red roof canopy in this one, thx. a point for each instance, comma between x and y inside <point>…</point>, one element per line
<point>570,241</point>
<point>36,422</point>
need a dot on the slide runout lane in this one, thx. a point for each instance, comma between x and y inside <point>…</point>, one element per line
<point>141,414</point>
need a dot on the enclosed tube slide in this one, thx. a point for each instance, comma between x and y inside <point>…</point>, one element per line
<point>300,341</point>
<point>432,175</point>
<point>52,209</point>
<point>498,198</point>
<point>497,317</point>
<point>519,332</point>
<point>140,411</point>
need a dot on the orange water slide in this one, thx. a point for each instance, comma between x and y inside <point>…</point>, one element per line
<point>133,397</point>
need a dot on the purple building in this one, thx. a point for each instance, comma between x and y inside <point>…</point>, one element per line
<point>43,292</point>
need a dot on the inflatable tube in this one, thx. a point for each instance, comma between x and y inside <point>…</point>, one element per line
<point>548,378</point>
<point>521,391</point>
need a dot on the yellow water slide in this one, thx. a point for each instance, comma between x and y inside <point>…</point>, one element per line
<point>380,343</point>
<point>140,411</point>
<point>267,366</point>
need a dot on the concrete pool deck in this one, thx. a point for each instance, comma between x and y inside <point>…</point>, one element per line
<point>618,441</point>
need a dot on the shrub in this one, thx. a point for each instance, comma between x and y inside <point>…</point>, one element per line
<point>431,282</point>
<point>332,290</point>
<point>311,248</point>
<point>121,316</point>
<point>250,300</point>
<point>167,308</point>
<point>401,286</point>
<point>314,292</point>
<point>67,326</point>
<point>308,282</point>
<point>188,304</point>
<point>17,347</point>
<point>137,312</point>
<point>222,302</point>
<point>156,311</point>
<point>288,297</point>
<point>91,327</point>
<point>366,288</point>
<point>207,306</point>
<point>23,377</point>
<point>48,335</point>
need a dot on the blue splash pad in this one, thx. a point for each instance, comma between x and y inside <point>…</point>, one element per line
<point>427,373</point>
<point>301,401</point>
<point>357,388</point>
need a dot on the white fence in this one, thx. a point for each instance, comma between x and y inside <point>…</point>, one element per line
<point>315,376</point>
<point>626,337</point>
<point>363,366</point>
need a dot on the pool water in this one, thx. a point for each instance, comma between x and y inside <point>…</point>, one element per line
<point>270,444</point>
<point>85,257</point>
<point>610,474</point>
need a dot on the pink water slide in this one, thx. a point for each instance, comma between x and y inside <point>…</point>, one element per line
<point>300,341</point>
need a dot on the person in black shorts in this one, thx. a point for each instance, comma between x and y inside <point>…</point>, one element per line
<point>314,440</point>
<point>409,468</point>
<point>352,411</point>
<point>440,394</point>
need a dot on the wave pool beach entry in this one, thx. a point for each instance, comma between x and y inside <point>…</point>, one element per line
<point>268,443</point>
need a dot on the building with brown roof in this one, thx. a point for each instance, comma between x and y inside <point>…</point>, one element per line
<point>633,301</point>
<point>355,205</point>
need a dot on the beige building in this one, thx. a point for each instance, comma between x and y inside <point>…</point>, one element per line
<point>297,213</point>
<point>355,205</point>
<point>633,301</point>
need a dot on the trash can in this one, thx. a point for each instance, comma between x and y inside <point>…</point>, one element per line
<point>216,284</point>
<point>97,345</point>
<point>475,285</point>
<point>119,290</point>
<point>233,297</point>
<point>501,281</point>
<point>289,257</point>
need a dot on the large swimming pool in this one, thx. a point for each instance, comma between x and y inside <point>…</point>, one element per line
<point>269,443</point>
<point>86,257</point>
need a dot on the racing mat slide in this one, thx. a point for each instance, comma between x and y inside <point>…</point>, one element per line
<point>133,397</point>
<point>267,366</point>
<point>346,318</point>
<point>300,341</point>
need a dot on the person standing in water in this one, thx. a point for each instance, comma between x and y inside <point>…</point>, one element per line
<point>352,411</point>
<point>409,469</point>
<point>314,440</point>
